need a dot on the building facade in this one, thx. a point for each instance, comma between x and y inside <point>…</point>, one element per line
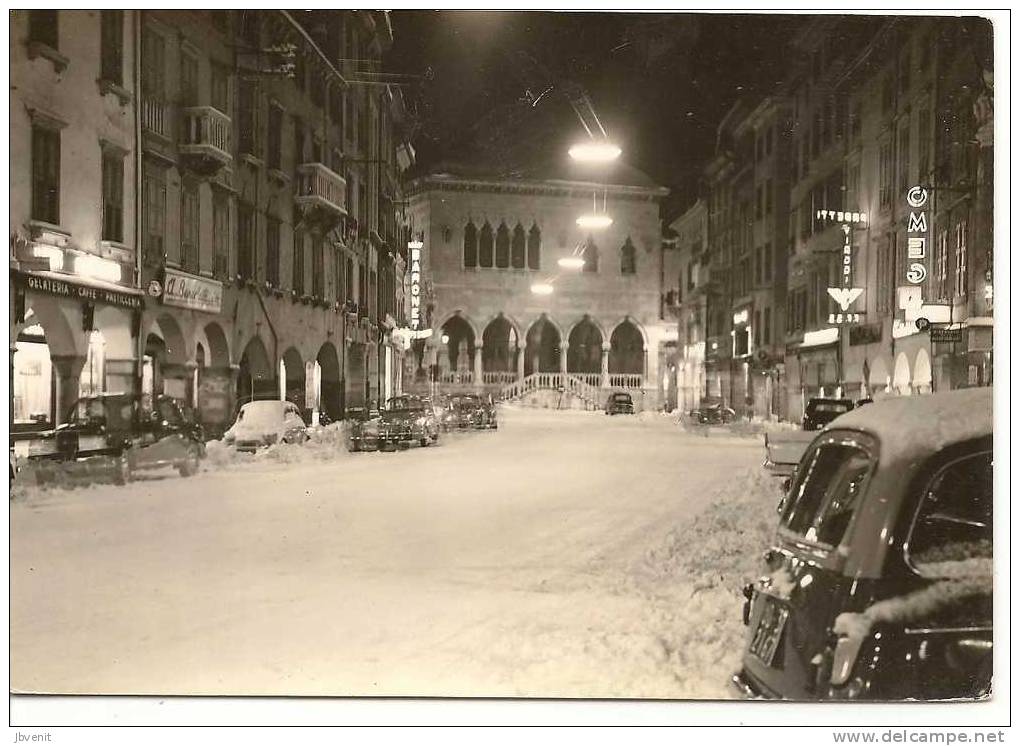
<point>488,243</point>
<point>870,209</point>
<point>270,240</point>
<point>75,306</point>
<point>690,244</point>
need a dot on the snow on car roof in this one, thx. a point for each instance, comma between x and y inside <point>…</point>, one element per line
<point>931,422</point>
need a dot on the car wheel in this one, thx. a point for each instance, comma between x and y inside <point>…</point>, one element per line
<point>122,470</point>
<point>189,466</point>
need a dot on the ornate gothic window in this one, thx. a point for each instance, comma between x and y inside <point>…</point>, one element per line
<point>591,255</point>
<point>628,259</point>
<point>502,246</point>
<point>518,248</point>
<point>470,245</point>
<point>534,248</point>
<point>485,246</point>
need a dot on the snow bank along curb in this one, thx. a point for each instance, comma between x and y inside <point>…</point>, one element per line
<point>325,443</point>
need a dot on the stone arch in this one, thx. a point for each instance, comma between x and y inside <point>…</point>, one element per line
<point>294,376</point>
<point>543,346</point>
<point>329,365</point>
<point>901,375</point>
<point>460,345</point>
<point>57,329</point>
<point>584,354</point>
<point>168,329</point>
<point>627,348</point>
<point>500,345</point>
<point>878,377</point>
<point>218,346</point>
<point>475,331</point>
<point>256,377</point>
<point>922,372</point>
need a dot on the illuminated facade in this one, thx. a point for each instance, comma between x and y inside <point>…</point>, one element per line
<point>508,318</point>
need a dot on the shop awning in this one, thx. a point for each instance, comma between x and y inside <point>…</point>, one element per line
<point>76,287</point>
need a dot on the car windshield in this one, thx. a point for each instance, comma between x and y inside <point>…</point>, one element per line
<point>466,402</point>
<point>621,397</point>
<point>952,534</point>
<point>115,412</point>
<point>829,406</point>
<point>828,490</point>
<point>404,404</point>
<point>256,413</point>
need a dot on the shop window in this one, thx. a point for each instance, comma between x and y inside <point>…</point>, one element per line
<point>93,373</point>
<point>111,42</point>
<point>32,378</point>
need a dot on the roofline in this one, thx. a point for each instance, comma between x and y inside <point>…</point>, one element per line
<point>315,47</point>
<point>420,184</point>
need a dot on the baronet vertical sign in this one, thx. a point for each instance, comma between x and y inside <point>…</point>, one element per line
<point>917,235</point>
<point>415,248</point>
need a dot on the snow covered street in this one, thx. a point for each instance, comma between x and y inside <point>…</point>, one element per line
<point>566,554</point>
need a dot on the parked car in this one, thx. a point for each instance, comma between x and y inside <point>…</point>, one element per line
<point>260,424</point>
<point>115,435</point>
<point>820,412</point>
<point>405,420</point>
<point>364,430</point>
<point>878,584</point>
<point>713,414</point>
<point>469,411</point>
<point>620,403</point>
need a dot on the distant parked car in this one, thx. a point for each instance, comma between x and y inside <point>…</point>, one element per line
<point>407,419</point>
<point>878,585</point>
<point>260,424</point>
<point>820,412</point>
<point>116,435</point>
<point>363,430</point>
<point>713,414</point>
<point>620,403</point>
<point>469,411</point>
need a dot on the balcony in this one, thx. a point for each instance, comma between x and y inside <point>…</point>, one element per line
<point>156,117</point>
<point>321,195</point>
<point>205,139</point>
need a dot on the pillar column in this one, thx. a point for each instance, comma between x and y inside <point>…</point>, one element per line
<point>478,365</point>
<point>178,379</point>
<point>522,351</point>
<point>67,371</point>
<point>564,346</point>
<point>605,365</point>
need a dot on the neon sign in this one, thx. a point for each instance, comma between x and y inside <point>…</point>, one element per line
<point>415,247</point>
<point>917,239</point>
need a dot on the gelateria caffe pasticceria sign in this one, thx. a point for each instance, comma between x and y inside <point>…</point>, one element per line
<point>76,290</point>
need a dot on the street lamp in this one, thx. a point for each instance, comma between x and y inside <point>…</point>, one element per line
<point>594,221</point>
<point>542,288</point>
<point>446,339</point>
<point>571,262</point>
<point>595,152</point>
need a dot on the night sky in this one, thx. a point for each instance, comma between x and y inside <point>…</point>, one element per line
<point>494,83</point>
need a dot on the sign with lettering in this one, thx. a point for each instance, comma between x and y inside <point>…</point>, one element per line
<point>76,291</point>
<point>942,334</point>
<point>191,291</point>
<point>415,248</point>
<point>917,235</point>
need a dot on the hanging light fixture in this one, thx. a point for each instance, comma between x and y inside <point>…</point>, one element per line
<point>596,220</point>
<point>542,288</point>
<point>571,262</point>
<point>595,152</point>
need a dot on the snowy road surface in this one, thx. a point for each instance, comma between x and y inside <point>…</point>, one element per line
<point>565,555</point>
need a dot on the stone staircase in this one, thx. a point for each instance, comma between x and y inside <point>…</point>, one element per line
<point>564,382</point>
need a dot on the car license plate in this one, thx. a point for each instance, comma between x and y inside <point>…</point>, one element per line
<point>769,632</point>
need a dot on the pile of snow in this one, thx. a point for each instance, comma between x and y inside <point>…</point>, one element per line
<point>703,568</point>
<point>325,443</point>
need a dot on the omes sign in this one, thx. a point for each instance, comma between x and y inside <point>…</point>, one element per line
<point>415,248</point>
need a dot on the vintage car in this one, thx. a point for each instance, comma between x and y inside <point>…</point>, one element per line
<point>820,412</point>
<point>620,403</point>
<point>260,424</point>
<point>469,411</point>
<point>114,435</point>
<point>363,430</point>
<point>878,585</point>
<point>713,414</point>
<point>407,419</point>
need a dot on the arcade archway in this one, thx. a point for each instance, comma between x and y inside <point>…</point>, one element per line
<point>584,355</point>
<point>543,348</point>
<point>499,346</point>
<point>626,349</point>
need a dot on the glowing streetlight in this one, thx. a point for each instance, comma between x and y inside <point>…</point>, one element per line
<point>571,262</point>
<point>594,221</point>
<point>595,152</point>
<point>446,339</point>
<point>542,288</point>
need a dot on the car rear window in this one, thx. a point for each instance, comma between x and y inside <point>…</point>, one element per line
<point>830,407</point>
<point>827,492</point>
<point>952,533</point>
